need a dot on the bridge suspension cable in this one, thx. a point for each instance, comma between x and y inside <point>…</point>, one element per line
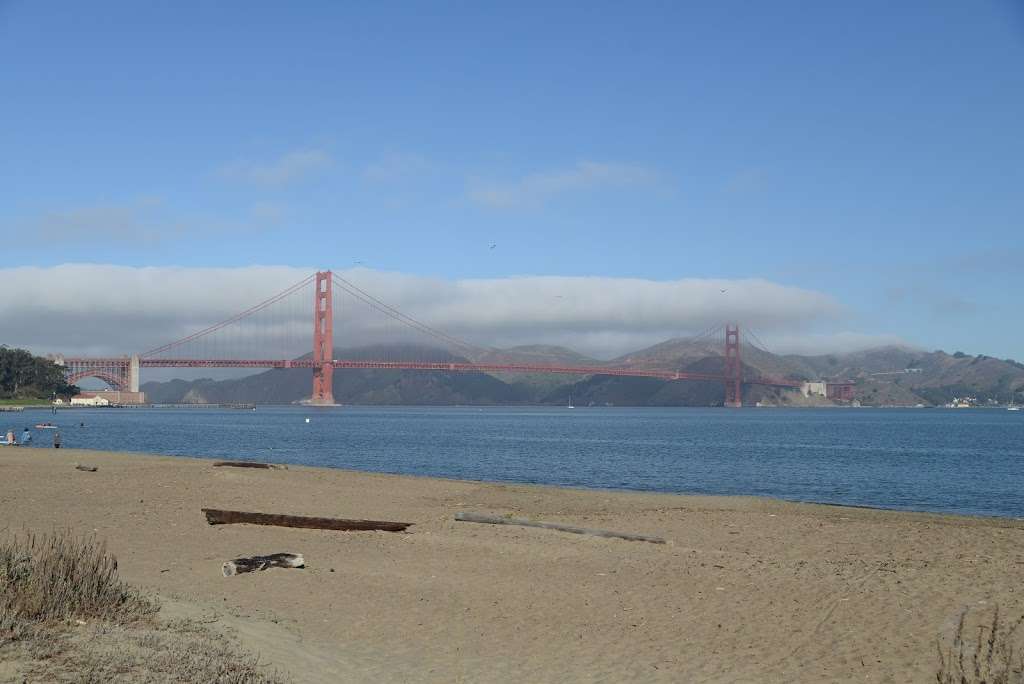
<point>234,319</point>
<point>760,344</point>
<point>707,334</point>
<point>405,319</point>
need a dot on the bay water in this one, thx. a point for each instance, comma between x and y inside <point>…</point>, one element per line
<point>967,461</point>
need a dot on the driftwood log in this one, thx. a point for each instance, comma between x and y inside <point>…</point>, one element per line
<point>88,469</point>
<point>218,517</point>
<point>525,522</point>
<point>249,464</point>
<point>274,560</point>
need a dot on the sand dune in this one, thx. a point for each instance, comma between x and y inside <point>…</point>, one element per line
<point>747,589</point>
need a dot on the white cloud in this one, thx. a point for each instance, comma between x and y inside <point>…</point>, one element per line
<point>747,180</point>
<point>535,188</point>
<point>141,221</point>
<point>392,168</point>
<point>103,309</point>
<point>140,224</point>
<point>281,171</point>
<point>834,343</point>
<point>268,213</point>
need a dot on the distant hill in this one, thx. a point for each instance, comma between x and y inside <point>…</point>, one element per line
<point>668,355</point>
<point>679,354</point>
<point>879,359</point>
<point>543,354</point>
<point>381,387</point>
<point>540,387</point>
<point>937,377</point>
<point>884,376</point>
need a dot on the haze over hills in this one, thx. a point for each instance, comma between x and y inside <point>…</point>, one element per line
<point>884,376</point>
<point>541,354</point>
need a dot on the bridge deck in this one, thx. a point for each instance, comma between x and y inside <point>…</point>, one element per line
<point>84,364</point>
<point>458,367</point>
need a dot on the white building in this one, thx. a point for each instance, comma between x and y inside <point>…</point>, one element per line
<point>94,400</point>
<point>818,389</point>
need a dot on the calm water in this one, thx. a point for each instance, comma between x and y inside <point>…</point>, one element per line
<point>957,461</point>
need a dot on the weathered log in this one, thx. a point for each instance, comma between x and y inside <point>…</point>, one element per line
<point>274,560</point>
<point>249,464</point>
<point>218,517</point>
<point>88,469</point>
<point>525,522</point>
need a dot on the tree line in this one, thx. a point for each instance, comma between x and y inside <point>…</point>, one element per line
<point>25,376</point>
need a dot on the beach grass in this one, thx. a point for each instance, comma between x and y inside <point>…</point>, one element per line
<point>64,612</point>
<point>59,577</point>
<point>985,653</point>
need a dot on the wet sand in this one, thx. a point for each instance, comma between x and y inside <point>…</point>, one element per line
<point>747,589</point>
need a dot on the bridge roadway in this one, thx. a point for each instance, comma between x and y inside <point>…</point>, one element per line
<point>442,366</point>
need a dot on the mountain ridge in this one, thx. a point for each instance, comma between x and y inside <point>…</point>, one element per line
<point>886,375</point>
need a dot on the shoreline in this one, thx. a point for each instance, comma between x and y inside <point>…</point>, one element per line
<point>250,405</point>
<point>583,488</point>
<point>747,589</point>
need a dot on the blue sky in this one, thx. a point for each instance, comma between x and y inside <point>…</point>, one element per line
<point>871,152</point>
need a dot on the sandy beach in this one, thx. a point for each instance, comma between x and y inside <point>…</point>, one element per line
<point>746,590</point>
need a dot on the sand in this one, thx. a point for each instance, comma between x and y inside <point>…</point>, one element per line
<point>747,590</point>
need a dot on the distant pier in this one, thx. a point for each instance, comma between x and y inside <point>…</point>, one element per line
<point>193,405</point>
<point>188,405</point>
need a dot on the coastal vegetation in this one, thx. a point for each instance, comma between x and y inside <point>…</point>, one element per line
<point>24,376</point>
<point>64,612</point>
<point>24,402</point>
<point>985,653</point>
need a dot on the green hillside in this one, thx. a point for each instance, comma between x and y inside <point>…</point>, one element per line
<point>883,376</point>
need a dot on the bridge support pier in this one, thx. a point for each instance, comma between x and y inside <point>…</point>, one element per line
<point>133,373</point>
<point>323,341</point>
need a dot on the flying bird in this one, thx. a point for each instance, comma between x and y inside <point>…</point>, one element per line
<point>493,245</point>
<point>723,291</point>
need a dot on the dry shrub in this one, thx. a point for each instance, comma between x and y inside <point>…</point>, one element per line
<point>61,576</point>
<point>990,658</point>
<point>177,651</point>
<point>66,616</point>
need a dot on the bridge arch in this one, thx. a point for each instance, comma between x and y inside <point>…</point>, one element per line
<point>116,382</point>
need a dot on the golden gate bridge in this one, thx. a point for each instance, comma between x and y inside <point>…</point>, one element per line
<point>224,345</point>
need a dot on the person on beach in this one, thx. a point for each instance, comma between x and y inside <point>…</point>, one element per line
<point>26,436</point>
<point>9,441</point>
<point>56,439</point>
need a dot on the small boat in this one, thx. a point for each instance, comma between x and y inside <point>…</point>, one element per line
<point>570,402</point>
<point>1013,408</point>
<point>45,426</point>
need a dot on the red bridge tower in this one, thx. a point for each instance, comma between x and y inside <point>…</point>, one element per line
<point>733,367</point>
<point>323,341</point>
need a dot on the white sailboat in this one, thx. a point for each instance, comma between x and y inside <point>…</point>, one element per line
<point>570,402</point>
